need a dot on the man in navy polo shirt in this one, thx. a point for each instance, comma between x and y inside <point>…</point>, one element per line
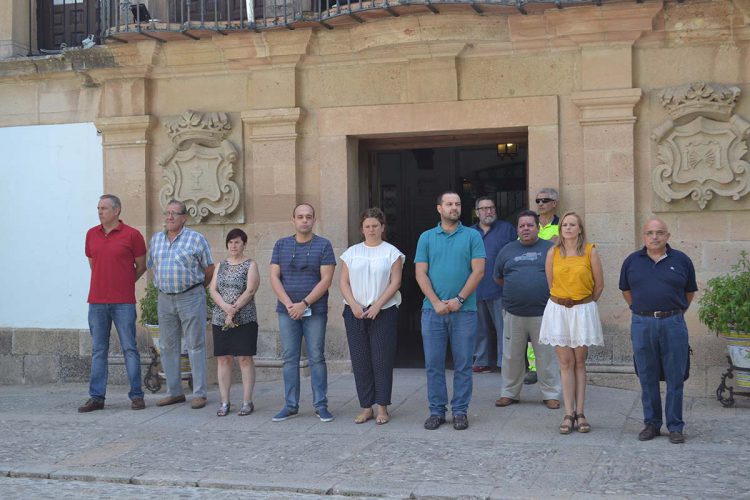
<point>301,272</point>
<point>117,257</point>
<point>658,283</point>
<point>449,263</point>
<point>495,235</point>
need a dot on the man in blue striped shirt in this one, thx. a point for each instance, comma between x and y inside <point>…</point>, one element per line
<point>301,272</point>
<point>180,259</point>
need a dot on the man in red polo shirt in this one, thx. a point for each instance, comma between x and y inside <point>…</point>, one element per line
<point>117,257</point>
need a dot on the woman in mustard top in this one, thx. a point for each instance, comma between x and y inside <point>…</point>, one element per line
<point>571,319</point>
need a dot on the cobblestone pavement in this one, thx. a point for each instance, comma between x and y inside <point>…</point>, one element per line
<point>515,452</point>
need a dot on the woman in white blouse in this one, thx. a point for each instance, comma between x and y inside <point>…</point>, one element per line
<point>370,279</point>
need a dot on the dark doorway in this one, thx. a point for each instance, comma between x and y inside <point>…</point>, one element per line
<point>405,183</point>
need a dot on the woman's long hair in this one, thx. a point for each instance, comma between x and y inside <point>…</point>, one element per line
<point>581,243</point>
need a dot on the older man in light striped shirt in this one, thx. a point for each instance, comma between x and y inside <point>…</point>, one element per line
<point>180,259</point>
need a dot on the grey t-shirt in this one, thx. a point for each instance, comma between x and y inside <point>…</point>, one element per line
<point>525,291</point>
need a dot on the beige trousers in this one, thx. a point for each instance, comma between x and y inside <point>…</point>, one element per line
<point>516,331</point>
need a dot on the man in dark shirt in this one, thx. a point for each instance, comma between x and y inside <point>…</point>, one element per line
<point>519,268</point>
<point>658,284</point>
<point>495,235</point>
<point>301,272</point>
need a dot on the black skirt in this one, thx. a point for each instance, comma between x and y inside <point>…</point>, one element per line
<point>239,341</point>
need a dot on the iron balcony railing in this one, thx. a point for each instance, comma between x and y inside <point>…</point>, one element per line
<point>76,22</point>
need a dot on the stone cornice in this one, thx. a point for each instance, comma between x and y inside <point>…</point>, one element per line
<point>607,106</point>
<point>272,124</point>
<point>124,131</point>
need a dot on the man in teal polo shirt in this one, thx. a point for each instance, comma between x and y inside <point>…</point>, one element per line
<point>449,265</point>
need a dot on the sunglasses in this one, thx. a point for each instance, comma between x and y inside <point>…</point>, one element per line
<point>539,201</point>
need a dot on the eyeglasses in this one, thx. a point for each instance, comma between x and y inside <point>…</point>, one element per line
<point>539,201</point>
<point>486,209</point>
<point>172,214</point>
<point>660,234</point>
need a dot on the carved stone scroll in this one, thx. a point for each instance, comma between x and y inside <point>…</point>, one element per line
<point>201,169</point>
<point>700,150</point>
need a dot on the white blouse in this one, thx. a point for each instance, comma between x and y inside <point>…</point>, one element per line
<point>370,272</point>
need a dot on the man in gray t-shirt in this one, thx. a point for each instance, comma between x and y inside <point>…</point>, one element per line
<point>519,268</point>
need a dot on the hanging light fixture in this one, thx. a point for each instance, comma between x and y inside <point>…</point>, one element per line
<point>507,150</point>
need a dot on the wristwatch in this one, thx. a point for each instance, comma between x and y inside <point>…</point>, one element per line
<point>460,299</point>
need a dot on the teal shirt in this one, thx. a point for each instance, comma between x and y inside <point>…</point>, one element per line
<point>448,257</point>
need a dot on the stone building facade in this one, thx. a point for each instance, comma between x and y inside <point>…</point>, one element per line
<point>631,109</point>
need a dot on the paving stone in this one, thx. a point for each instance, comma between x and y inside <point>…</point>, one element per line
<point>514,452</point>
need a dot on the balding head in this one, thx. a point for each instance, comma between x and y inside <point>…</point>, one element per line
<point>655,235</point>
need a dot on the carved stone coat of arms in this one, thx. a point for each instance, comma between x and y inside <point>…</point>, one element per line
<point>701,149</point>
<point>201,169</point>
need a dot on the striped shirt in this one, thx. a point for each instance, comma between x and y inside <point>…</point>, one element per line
<point>300,268</point>
<point>179,264</point>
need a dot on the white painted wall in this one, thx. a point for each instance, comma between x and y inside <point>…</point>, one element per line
<point>50,182</point>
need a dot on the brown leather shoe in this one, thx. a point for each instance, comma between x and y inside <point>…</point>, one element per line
<point>138,404</point>
<point>552,404</point>
<point>198,403</point>
<point>171,400</point>
<point>91,405</point>
<point>502,402</point>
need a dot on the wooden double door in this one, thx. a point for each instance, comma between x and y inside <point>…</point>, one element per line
<point>405,183</point>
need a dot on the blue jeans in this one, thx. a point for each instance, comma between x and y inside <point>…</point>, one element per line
<point>489,327</point>
<point>460,328</point>
<point>183,314</point>
<point>313,330</point>
<point>661,343</point>
<point>101,317</point>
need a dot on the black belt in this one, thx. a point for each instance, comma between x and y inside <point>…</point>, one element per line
<point>658,314</point>
<point>185,290</point>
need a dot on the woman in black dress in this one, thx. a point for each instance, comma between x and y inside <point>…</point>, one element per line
<point>235,321</point>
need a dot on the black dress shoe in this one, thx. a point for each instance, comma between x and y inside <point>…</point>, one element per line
<point>434,422</point>
<point>91,405</point>
<point>460,422</point>
<point>648,433</point>
<point>676,437</point>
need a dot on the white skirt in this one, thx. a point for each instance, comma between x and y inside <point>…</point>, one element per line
<point>571,326</point>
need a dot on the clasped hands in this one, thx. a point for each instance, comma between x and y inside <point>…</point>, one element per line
<point>448,306</point>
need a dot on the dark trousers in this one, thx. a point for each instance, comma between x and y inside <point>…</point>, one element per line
<point>372,347</point>
<point>661,343</point>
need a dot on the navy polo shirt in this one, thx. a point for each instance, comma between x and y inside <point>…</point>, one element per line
<point>658,286</point>
<point>300,269</point>
<point>500,234</point>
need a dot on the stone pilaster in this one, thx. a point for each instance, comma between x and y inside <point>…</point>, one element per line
<point>270,137</point>
<point>125,144</point>
<point>607,122</point>
<point>15,37</point>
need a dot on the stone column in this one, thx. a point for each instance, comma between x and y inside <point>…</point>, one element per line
<point>126,152</point>
<point>607,122</point>
<point>15,36</point>
<point>270,140</point>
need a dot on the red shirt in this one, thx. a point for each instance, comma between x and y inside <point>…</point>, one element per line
<point>113,263</point>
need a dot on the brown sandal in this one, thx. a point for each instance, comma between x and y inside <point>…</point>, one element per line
<point>582,427</point>
<point>566,428</point>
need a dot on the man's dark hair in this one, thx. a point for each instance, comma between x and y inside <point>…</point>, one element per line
<point>528,213</point>
<point>440,198</point>
<point>236,233</point>
<point>294,212</point>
